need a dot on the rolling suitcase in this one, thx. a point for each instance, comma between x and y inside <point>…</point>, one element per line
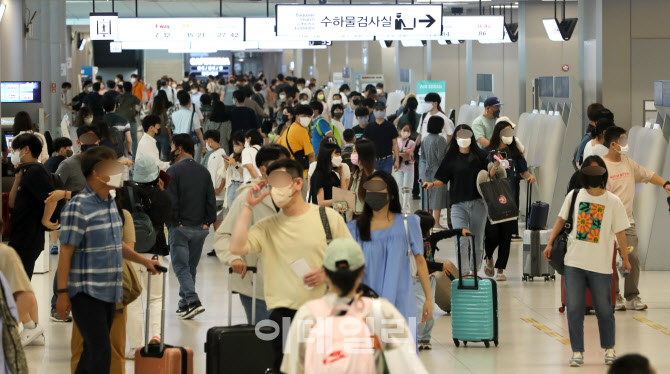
<point>589,302</point>
<point>474,306</point>
<point>238,349</point>
<point>536,213</point>
<point>161,358</point>
<point>534,263</point>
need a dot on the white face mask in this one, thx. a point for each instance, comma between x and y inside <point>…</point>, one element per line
<point>622,150</point>
<point>88,120</point>
<point>16,158</point>
<point>115,180</point>
<point>246,144</point>
<point>133,80</point>
<point>507,139</point>
<point>379,114</point>
<point>305,121</point>
<point>282,96</point>
<point>281,195</point>
<point>427,107</point>
<point>209,148</point>
<point>405,134</point>
<point>362,120</point>
<point>464,143</point>
<point>337,161</point>
<point>174,85</point>
<point>90,89</point>
<point>304,102</point>
<point>379,92</point>
<point>337,102</point>
<point>194,91</point>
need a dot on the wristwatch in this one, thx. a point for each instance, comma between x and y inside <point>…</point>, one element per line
<point>666,184</point>
<point>62,290</point>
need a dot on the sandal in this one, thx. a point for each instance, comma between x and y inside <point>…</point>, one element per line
<point>489,271</point>
<point>501,278</point>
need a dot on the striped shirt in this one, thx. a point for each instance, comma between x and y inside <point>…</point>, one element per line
<point>93,226</point>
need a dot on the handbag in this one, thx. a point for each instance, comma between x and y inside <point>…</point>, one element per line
<point>412,259</point>
<point>499,200</point>
<point>132,289</point>
<point>192,132</point>
<point>560,247</point>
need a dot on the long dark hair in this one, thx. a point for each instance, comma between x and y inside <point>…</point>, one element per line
<point>514,151</point>
<point>219,113</point>
<point>587,162</point>
<point>366,163</point>
<point>237,137</point>
<point>323,160</point>
<point>363,221</point>
<point>22,122</point>
<point>160,104</point>
<point>410,109</point>
<point>453,150</point>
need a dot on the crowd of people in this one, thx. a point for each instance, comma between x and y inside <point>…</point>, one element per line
<point>265,162</point>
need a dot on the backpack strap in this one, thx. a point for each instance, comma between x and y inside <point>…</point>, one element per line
<point>288,144</point>
<point>326,224</point>
<point>569,222</point>
<point>318,128</point>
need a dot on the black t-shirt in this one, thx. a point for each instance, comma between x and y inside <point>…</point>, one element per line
<point>383,135</point>
<point>358,130</point>
<point>27,230</point>
<point>243,118</point>
<point>461,174</point>
<point>320,180</point>
<point>53,163</point>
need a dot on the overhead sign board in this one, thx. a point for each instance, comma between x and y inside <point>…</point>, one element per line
<point>104,26</point>
<point>262,30</point>
<point>473,27</point>
<point>357,22</point>
<point>211,30</point>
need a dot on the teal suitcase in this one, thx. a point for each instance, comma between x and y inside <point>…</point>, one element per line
<point>474,307</point>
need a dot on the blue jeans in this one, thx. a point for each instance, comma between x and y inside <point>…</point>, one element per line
<point>470,215</point>
<point>185,250</point>
<point>261,309</point>
<point>133,137</point>
<point>232,192</point>
<point>385,165</point>
<point>163,144</point>
<point>576,281</point>
<point>423,330</point>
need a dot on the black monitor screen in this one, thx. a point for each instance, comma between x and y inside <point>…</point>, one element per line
<point>21,92</point>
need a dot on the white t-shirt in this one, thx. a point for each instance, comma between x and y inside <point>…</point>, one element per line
<point>594,150</point>
<point>182,120</point>
<point>249,158</point>
<point>215,163</point>
<point>596,221</point>
<point>447,130</point>
<point>345,167</point>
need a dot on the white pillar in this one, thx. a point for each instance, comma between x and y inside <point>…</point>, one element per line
<point>11,41</point>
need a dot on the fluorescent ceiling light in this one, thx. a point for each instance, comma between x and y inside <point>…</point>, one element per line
<point>411,43</point>
<point>3,7</point>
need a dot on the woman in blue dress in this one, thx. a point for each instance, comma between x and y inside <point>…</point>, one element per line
<point>383,233</point>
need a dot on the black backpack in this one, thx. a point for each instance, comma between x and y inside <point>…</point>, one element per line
<point>145,234</point>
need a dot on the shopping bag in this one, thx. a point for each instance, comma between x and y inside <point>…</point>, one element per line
<point>499,200</point>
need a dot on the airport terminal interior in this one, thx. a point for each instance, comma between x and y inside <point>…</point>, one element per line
<point>417,119</point>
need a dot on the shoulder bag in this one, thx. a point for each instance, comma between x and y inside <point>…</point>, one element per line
<point>326,224</point>
<point>298,156</point>
<point>560,247</point>
<point>192,132</point>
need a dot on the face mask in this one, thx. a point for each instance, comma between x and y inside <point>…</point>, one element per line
<point>376,200</point>
<point>427,107</point>
<point>379,114</point>
<point>246,145</point>
<point>68,153</point>
<point>594,181</point>
<point>622,149</point>
<point>507,139</point>
<point>304,102</point>
<point>464,143</point>
<point>337,115</point>
<point>173,157</point>
<point>356,102</point>
<point>281,195</point>
<point>115,180</point>
<point>362,120</point>
<point>133,80</point>
<point>174,85</point>
<point>86,147</point>
<point>496,114</point>
<point>88,120</point>
<point>194,91</point>
<point>301,87</point>
<point>305,121</point>
<point>405,134</point>
<point>16,158</point>
<point>354,158</point>
<point>320,97</point>
<point>337,161</point>
<point>282,96</point>
<point>209,149</point>
<point>379,92</point>
<point>337,101</point>
<point>90,89</point>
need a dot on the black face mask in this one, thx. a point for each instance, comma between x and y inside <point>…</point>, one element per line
<point>86,147</point>
<point>284,118</point>
<point>594,181</point>
<point>356,102</point>
<point>496,114</point>
<point>376,200</point>
<point>173,157</point>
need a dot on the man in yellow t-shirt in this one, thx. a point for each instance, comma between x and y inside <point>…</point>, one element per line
<point>292,242</point>
<point>296,138</point>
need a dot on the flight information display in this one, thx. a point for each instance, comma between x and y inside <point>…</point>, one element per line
<point>20,92</point>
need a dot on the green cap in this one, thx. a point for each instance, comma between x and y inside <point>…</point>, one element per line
<point>343,254</point>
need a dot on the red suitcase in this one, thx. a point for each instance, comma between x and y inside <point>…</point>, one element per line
<point>589,302</point>
<point>161,358</point>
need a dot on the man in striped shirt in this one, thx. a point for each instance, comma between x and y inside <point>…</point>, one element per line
<point>90,261</point>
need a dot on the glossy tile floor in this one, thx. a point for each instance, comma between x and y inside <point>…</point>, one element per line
<point>524,347</point>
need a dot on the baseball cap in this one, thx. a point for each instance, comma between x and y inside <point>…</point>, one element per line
<point>492,101</point>
<point>343,254</point>
<point>379,105</point>
<point>146,170</point>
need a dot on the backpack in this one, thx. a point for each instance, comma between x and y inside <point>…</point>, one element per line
<point>145,234</point>
<point>331,348</point>
<point>126,108</point>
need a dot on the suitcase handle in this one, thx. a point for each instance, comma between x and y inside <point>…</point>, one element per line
<point>474,263</point>
<point>163,270</point>
<point>529,202</point>
<point>254,271</point>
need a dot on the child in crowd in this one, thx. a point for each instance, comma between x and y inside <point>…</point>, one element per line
<point>427,221</point>
<point>405,175</point>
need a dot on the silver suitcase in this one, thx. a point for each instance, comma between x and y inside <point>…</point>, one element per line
<point>534,263</point>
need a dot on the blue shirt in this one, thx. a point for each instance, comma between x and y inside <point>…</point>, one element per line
<point>389,276</point>
<point>93,226</point>
<point>582,145</point>
<point>348,118</point>
<point>320,123</point>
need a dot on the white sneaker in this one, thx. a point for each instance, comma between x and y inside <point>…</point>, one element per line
<point>39,341</point>
<point>29,335</point>
<point>636,304</point>
<point>577,359</point>
<point>130,354</point>
<point>610,356</point>
<point>620,303</point>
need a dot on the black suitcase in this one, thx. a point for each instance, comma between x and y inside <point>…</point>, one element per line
<point>536,213</point>
<point>237,349</point>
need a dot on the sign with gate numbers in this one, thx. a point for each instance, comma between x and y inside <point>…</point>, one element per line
<point>473,27</point>
<point>358,22</point>
<point>103,26</point>
<point>423,88</point>
<point>212,30</point>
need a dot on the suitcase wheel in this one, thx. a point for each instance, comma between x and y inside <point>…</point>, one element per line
<point>587,311</point>
<point>495,342</point>
<point>457,343</point>
<point>524,278</point>
<point>546,279</point>
<point>561,309</point>
<point>553,277</point>
<point>465,344</point>
<point>487,344</point>
<point>530,278</point>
